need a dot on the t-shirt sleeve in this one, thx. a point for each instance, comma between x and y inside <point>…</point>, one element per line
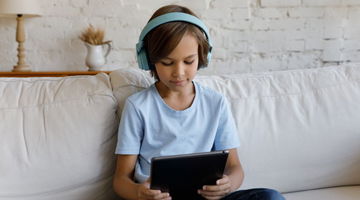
<point>130,132</point>
<point>226,134</point>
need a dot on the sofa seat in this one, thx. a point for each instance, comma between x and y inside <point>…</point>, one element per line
<point>335,193</point>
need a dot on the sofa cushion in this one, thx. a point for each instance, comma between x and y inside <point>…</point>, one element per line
<point>298,129</point>
<point>57,138</point>
<point>335,193</point>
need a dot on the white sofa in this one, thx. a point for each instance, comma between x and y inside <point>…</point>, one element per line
<point>299,132</point>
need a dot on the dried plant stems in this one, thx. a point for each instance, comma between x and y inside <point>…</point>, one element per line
<point>93,36</point>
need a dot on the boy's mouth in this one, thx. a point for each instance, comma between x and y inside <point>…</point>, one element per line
<point>177,82</point>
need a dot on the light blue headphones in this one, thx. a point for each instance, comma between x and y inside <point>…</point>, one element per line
<point>162,19</point>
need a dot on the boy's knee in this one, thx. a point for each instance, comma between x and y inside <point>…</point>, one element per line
<point>270,194</point>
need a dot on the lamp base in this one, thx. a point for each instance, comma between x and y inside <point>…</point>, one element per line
<point>20,38</point>
<point>21,68</point>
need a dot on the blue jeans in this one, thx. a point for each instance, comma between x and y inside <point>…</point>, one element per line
<point>255,194</point>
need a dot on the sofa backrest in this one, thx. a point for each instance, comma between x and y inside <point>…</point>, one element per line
<point>298,129</point>
<point>57,138</point>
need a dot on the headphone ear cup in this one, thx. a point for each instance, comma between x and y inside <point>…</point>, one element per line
<point>143,60</point>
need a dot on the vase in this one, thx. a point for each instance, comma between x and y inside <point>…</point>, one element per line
<point>96,56</point>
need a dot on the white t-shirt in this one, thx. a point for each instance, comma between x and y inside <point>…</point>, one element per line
<point>150,128</point>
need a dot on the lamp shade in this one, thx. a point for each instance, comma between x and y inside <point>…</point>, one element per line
<point>27,8</point>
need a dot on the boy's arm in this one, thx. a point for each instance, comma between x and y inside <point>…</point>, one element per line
<point>234,170</point>
<point>124,185</point>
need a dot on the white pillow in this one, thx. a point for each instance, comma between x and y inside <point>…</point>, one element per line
<point>57,138</point>
<point>127,81</point>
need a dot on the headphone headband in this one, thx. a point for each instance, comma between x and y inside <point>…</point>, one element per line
<point>162,19</point>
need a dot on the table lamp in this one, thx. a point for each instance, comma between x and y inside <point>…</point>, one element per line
<point>20,9</point>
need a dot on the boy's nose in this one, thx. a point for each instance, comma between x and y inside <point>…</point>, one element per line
<point>179,70</point>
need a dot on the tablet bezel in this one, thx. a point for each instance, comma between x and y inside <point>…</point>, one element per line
<point>182,175</point>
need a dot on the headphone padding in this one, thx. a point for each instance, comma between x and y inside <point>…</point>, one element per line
<point>143,60</point>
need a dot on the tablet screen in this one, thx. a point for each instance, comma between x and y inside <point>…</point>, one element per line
<point>182,175</point>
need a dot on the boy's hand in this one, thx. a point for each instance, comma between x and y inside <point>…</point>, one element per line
<point>145,193</point>
<point>218,191</point>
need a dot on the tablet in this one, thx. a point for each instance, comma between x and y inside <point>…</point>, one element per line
<point>182,175</point>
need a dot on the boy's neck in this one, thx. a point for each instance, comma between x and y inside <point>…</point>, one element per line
<point>176,99</point>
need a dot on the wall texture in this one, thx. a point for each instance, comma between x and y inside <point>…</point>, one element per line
<point>248,35</point>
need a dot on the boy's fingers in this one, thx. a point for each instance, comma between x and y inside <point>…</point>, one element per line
<point>162,196</point>
<point>153,192</point>
<point>223,180</point>
<point>156,194</point>
<point>210,188</point>
<point>216,187</point>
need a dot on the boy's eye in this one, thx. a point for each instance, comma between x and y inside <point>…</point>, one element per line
<point>189,62</point>
<point>166,63</point>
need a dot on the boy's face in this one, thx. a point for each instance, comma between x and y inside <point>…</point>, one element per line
<point>178,69</point>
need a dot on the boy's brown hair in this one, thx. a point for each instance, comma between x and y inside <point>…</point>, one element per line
<point>162,40</point>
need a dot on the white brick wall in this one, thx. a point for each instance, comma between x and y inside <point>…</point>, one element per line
<point>280,3</point>
<point>248,35</point>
